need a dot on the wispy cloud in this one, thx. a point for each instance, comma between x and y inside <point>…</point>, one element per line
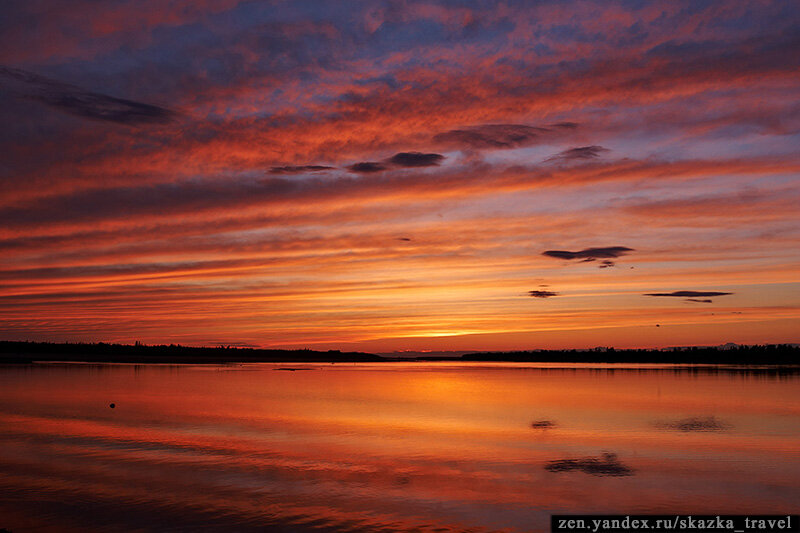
<point>80,102</point>
<point>581,153</point>
<point>298,169</point>
<point>492,136</point>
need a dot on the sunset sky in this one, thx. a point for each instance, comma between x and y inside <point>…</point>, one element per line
<point>401,175</point>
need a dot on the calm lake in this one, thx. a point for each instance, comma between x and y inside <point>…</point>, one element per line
<point>424,447</point>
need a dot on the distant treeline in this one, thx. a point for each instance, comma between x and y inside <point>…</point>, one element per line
<point>767,354</point>
<point>101,352</point>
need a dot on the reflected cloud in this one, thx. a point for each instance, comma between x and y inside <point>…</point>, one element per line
<point>710,423</point>
<point>605,465</point>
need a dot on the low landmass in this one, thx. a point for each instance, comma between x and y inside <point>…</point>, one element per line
<point>29,352</point>
<point>101,352</point>
<point>764,354</point>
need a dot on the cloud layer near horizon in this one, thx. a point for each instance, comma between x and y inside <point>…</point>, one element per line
<point>236,172</point>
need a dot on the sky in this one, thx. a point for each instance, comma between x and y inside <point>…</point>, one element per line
<point>400,175</point>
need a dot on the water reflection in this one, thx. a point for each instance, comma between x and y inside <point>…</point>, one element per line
<point>709,423</point>
<point>606,465</point>
<point>389,447</point>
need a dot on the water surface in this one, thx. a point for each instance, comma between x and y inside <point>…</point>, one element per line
<point>428,447</point>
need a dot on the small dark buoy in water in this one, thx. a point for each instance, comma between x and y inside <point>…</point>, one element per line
<point>112,405</point>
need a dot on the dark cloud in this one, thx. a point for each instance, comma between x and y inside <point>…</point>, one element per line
<point>298,169</point>
<point>689,294</point>
<point>415,159</point>
<point>404,239</point>
<point>367,167</point>
<point>401,159</point>
<point>492,136</point>
<point>606,465</point>
<point>543,424</point>
<point>542,294</point>
<point>80,102</point>
<point>578,154</point>
<point>606,264</point>
<point>565,125</point>
<point>590,254</point>
<point>700,301</point>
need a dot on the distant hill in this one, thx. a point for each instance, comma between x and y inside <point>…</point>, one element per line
<point>25,352</point>
<point>768,354</point>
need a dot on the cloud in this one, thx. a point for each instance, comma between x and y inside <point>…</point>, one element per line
<point>580,153</point>
<point>400,159</point>
<point>590,254</point>
<point>542,294</point>
<point>689,294</point>
<point>298,169</point>
<point>415,159</point>
<point>606,264</point>
<point>168,195</point>
<point>700,301</point>
<point>565,125</point>
<point>492,136</point>
<point>367,167</point>
<point>80,102</point>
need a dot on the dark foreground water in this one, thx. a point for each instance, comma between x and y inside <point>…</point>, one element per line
<point>436,447</point>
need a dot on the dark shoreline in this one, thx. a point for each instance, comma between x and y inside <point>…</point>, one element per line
<point>767,354</point>
<point>15,352</point>
<point>29,352</point>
